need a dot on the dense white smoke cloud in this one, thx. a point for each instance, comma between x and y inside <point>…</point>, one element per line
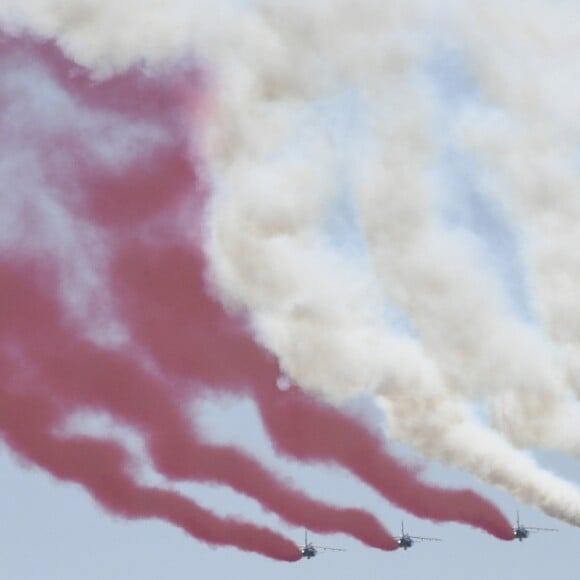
<point>507,118</point>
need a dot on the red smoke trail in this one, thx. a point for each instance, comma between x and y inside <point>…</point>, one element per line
<point>102,467</point>
<point>190,336</point>
<point>159,288</point>
<point>167,282</point>
<point>86,376</point>
<point>308,430</point>
<point>83,375</point>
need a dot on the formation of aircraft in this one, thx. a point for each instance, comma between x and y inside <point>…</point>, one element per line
<point>521,532</point>
<point>309,550</point>
<point>406,541</point>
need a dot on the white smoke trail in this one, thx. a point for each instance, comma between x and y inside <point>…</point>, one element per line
<point>276,165</point>
<point>459,313</point>
<point>445,431</point>
<point>438,278</point>
<point>323,328</point>
<point>527,143</point>
<point>298,324</point>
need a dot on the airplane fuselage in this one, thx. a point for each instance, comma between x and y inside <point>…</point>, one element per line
<point>309,551</point>
<point>405,542</point>
<point>521,533</point>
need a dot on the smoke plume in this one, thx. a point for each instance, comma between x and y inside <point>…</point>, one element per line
<point>365,196</point>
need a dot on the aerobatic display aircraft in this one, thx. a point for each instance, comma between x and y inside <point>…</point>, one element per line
<point>309,550</point>
<point>521,532</point>
<point>406,541</point>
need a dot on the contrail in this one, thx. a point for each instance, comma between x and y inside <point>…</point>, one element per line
<point>103,468</point>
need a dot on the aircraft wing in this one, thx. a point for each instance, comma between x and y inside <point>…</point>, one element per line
<point>533,529</point>
<point>423,539</point>
<point>328,548</point>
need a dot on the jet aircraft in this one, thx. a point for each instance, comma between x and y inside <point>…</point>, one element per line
<point>521,532</point>
<point>309,550</point>
<point>406,541</point>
